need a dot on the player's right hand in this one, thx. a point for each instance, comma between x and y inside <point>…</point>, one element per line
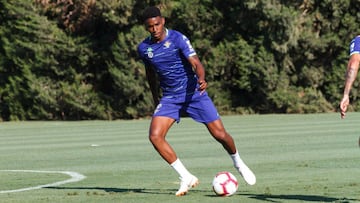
<point>343,106</point>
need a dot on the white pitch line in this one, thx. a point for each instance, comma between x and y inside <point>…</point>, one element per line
<point>75,177</point>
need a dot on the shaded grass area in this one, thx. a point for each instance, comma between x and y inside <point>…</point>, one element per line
<point>297,158</point>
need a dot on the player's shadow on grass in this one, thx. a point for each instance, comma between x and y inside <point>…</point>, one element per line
<point>119,190</point>
<point>263,197</point>
<point>307,198</point>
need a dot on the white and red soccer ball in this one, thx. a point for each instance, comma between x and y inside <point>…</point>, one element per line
<point>225,184</point>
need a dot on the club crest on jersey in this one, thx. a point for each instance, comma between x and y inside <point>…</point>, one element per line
<point>167,44</point>
<point>149,52</point>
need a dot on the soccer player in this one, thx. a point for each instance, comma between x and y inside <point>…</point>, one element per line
<point>351,73</point>
<point>170,59</point>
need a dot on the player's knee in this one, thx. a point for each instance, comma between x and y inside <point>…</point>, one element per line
<point>152,138</point>
<point>155,138</point>
<point>221,135</point>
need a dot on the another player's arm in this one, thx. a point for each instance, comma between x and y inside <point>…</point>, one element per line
<point>350,76</point>
<point>153,83</point>
<point>199,70</point>
<point>351,72</point>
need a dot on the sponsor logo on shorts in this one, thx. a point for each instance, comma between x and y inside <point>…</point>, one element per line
<point>157,108</point>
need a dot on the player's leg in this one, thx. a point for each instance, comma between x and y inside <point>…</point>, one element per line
<point>159,127</point>
<point>217,130</point>
<point>201,108</point>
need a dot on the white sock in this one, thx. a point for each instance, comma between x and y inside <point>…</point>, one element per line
<point>238,162</point>
<point>180,168</point>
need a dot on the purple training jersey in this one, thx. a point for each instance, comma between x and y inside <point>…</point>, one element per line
<point>355,46</point>
<point>169,59</point>
<point>178,81</point>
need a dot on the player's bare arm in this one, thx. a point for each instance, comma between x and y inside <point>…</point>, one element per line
<point>350,76</point>
<point>351,72</point>
<point>199,70</point>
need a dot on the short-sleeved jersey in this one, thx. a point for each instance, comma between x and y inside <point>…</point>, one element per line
<point>355,45</point>
<point>169,59</point>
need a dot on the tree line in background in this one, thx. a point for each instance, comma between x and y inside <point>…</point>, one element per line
<point>76,59</point>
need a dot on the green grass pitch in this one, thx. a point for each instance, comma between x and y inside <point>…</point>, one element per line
<point>296,158</point>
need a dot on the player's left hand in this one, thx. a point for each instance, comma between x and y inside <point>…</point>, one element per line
<point>202,86</point>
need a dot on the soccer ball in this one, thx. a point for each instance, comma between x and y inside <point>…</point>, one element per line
<point>225,184</point>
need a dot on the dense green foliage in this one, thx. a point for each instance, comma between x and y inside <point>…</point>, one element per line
<point>77,59</point>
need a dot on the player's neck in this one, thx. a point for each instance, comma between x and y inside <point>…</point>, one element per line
<point>163,36</point>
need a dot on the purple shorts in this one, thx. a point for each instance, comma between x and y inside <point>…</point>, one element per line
<point>198,107</point>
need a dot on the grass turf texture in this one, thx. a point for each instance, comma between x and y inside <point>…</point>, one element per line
<point>297,158</point>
